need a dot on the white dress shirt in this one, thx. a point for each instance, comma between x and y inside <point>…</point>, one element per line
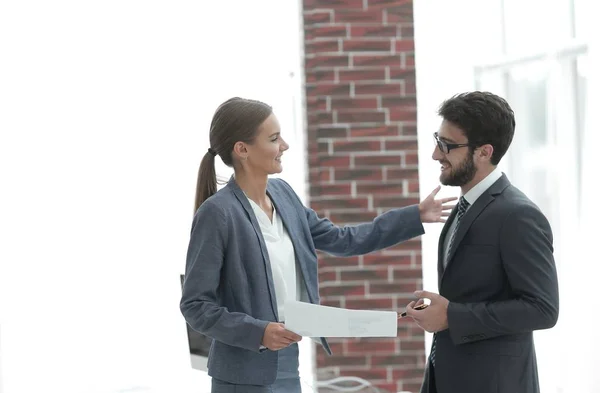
<point>281,255</point>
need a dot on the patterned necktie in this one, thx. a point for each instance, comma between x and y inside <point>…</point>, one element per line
<point>463,205</point>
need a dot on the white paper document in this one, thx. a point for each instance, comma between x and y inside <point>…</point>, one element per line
<point>311,320</point>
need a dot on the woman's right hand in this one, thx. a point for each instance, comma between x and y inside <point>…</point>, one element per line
<point>277,337</point>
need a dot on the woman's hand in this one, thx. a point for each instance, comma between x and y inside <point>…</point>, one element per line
<point>277,337</point>
<point>435,210</point>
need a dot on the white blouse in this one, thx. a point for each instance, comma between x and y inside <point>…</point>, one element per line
<point>281,255</point>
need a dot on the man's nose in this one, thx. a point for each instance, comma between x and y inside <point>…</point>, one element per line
<point>437,154</point>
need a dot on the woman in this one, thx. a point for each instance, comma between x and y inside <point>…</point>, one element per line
<point>253,245</point>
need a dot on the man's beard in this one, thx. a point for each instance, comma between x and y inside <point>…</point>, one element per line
<point>461,175</point>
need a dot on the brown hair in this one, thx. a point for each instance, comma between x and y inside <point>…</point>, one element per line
<point>235,120</point>
<point>484,118</point>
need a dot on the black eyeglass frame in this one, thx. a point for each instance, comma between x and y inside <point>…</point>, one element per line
<point>446,147</point>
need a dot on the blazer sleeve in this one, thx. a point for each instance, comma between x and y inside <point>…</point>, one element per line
<point>527,256</point>
<point>384,231</point>
<point>200,301</point>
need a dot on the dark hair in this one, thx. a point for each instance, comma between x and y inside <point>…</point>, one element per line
<point>485,118</point>
<point>235,120</point>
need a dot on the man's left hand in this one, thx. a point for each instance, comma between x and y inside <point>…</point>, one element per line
<point>433,318</point>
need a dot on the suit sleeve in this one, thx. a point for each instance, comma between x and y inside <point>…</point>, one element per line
<point>200,301</point>
<point>384,231</point>
<point>527,257</point>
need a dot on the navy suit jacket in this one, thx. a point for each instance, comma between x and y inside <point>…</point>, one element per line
<point>228,292</point>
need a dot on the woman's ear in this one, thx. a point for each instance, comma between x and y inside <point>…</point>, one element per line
<point>240,150</point>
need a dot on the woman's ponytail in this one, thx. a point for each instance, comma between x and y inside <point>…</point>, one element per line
<point>206,184</point>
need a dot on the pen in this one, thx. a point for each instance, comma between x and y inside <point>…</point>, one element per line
<point>419,307</point>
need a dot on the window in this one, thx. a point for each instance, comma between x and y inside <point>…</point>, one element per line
<point>543,74</point>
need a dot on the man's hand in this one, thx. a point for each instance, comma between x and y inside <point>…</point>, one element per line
<point>419,305</point>
<point>277,337</point>
<point>433,318</point>
<point>434,210</point>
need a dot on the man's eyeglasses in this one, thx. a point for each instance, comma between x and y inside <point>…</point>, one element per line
<point>446,147</point>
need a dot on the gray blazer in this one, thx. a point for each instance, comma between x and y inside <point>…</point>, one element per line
<point>502,285</point>
<point>228,293</point>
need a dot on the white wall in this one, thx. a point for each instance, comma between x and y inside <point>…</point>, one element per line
<point>1,384</point>
<point>105,109</point>
<point>584,318</point>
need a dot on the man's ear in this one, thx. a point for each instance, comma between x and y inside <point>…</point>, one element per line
<point>486,152</point>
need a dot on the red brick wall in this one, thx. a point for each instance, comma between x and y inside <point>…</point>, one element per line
<point>362,149</point>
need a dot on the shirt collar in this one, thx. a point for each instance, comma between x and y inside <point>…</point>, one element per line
<point>475,192</point>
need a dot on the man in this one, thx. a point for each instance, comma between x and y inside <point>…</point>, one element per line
<point>496,273</point>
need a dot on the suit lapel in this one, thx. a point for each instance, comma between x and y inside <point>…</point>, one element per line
<point>466,222</point>
<point>470,216</point>
<point>441,243</point>
<point>286,212</point>
<point>239,194</point>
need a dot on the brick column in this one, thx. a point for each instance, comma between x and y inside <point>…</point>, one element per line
<point>362,149</point>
